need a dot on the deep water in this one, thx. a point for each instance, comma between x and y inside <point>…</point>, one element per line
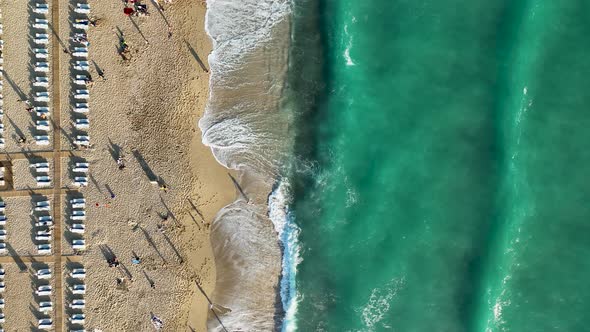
<point>441,154</point>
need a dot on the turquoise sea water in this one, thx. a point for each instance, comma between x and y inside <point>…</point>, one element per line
<point>441,179</point>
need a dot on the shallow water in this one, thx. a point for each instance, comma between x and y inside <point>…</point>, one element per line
<point>440,184</point>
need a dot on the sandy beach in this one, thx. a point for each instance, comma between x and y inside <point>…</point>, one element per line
<point>145,110</point>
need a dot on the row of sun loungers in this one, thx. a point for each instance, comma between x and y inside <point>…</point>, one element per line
<point>78,303</point>
<point>42,211</point>
<point>41,170</point>
<point>77,217</point>
<point>80,108</point>
<point>3,234</point>
<point>80,81</point>
<point>2,141</point>
<point>43,293</point>
<point>41,67</point>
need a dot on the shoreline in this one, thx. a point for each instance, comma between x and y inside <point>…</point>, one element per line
<point>247,133</point>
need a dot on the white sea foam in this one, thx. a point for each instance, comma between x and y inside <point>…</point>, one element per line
<point>289,236</point>
<point>349,61</point>
<point>378,304</point>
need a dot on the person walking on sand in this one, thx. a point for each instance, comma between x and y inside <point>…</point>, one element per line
<point>101,75</point>
<point>120,163</point>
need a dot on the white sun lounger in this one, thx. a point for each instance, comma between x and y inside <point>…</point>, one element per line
<point>41,53</point>
<point>42,140</point>
<point>41,81</point>
<point>44,274</point>
<point>79,245</point>
<point>41,67</point>
<point>41,39</point>
<point>2,247</point>
<point>82,94</point>
<point>42,125</point>
<point>80,181</point>
<point>77,228</point>
<point>2,205</point>
<point>2,287</point>
<point>3,234</point>
<point>81,80</point>
<point>41,8</point>
<point>78,289</point>
<point>77,319</point>
<point>82,165</point>
<point>2,318</point>
<point>44,202</point>
<point>42,110</point>
<point>82,124</point>
<point>78,203</point>
<point>82,24</point>
<point>41,23</point>
<point>42,97</point>
<point>80,169</point>
<point>78,304</point>
<point>80,52</point>
<point>44,224</point>
<point>45,218</point>
<point>44,290</point>
<point>81,65</point>
<point>45,306</point>
<point>41,204</point>
<point>44,166</point>
<point>43,180</point>
<point>79,273</point>
<point>78,215</point>
<point>45,248</point>
<point>43,238</point>
<point>81,108</point>
<point>44,232</point>
<point>2,303</point>
<point>2,273</point>
<point>45,324</point>
<point>82,140</point>
<point>82,8</point>
<point>3,219</point>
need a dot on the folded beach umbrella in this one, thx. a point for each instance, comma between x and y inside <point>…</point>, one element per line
<point>128,11</point>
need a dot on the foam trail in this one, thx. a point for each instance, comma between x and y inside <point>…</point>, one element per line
<point>288,234</point>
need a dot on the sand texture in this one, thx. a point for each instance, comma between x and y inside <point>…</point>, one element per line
<point>145,111</point>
